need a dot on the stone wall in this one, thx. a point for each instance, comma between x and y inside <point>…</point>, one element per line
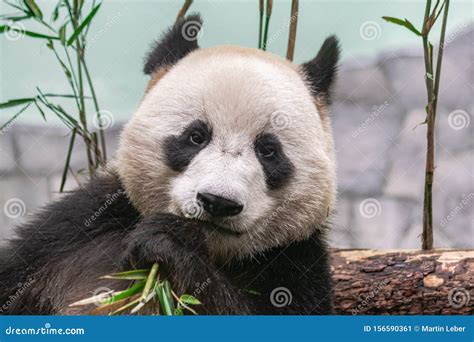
<point>380,143</point>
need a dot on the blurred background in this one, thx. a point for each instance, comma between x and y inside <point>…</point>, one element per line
<point>378,105</point>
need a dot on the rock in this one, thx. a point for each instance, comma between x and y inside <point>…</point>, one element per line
<point>20,197</point>
<point>407,170</point>
<point>340,233</point>
<point>455,129</point>
<point>363,139</point>
<point>380,222</point>
<point>7,154</point>
<point>366,84</point>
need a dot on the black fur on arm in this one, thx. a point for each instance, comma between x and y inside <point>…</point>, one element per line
<point>178,245</point>
<point>57,232</point>
<point>174,44</point>
<point>290,280</point>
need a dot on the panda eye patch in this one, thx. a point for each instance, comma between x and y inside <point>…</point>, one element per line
<point>267,151</point>
<point>196,138</point>
<point>180,149</point>
<point>277,167</point>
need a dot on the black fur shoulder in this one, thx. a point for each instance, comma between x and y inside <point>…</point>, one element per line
<point>59,230</point>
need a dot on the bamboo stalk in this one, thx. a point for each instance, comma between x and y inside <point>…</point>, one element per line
<point>184,9</point>
<point>267,24</point>
<point>292,35</point>
<point>103,153</point>
<point>427,236</point>
<point>260,23</point>
<point>432,87</point>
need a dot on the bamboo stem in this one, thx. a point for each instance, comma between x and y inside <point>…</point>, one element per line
<point>432,87</point>
<point>103,153</point>
<point>293,25</point>
<point>267,24</point>
<point>184,9</point>
<point>260,23</point>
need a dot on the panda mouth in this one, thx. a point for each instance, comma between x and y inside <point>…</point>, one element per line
<point>214,227</point>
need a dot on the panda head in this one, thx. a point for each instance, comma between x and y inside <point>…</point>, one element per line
<point>234,136</point>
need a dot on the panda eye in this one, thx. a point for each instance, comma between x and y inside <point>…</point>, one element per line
<point>196,138</point>
<point>267,152</point>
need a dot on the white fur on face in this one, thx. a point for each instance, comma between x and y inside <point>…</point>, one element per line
<point>239,93</point>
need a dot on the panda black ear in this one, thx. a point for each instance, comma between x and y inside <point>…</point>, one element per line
<point>174,44</point>
<point>320,72</point>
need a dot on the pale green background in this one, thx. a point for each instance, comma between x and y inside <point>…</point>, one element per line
<point>123,30</point>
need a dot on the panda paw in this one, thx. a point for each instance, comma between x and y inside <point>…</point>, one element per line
<point>167,239</point>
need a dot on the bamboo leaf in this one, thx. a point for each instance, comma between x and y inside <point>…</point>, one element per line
<point>132,290</point>
<point>55,14</point>
<point>403,22</point>
<point>188,299</point>
<point>5,28</point>
<point>125,307</point>
<point>129,275</point>
<point>14,117</point>
<point>43,115</point>
<point>14,17</point>
<point>16,102</point>
<point>16,6</point>
<point>33,7</point>
<point>68,159</point>
<point>62,34</point>
<point>92,300</point>
<point>164,298</point>
<point>83,25</point>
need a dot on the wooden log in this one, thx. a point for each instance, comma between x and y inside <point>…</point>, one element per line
<point>402,282</point>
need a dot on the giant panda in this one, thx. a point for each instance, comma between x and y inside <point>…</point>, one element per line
<point>225,176</point>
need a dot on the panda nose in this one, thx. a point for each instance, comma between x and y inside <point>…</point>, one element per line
<point>218,206</point>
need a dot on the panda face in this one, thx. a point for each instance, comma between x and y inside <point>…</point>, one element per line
<point>232,136</point>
